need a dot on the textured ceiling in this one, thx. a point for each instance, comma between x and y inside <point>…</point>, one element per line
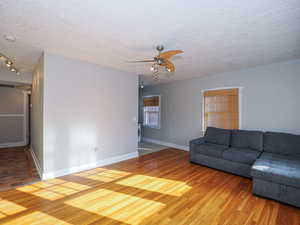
<point>217,36</point>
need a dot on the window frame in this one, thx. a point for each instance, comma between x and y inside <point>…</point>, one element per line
<point>240,91</point>
<point>159,112</point>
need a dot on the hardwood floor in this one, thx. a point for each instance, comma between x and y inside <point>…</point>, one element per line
<point>16,168</point>
<point>158,188</point>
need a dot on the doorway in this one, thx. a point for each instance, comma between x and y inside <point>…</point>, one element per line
<point>17,166</point>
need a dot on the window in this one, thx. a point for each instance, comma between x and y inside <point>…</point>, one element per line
<point>152,111</point>
<point>221,108</point>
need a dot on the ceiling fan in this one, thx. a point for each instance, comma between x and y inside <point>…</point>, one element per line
<point>161,60</point>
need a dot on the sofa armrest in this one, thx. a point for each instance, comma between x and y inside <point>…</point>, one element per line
<point>195,142</point>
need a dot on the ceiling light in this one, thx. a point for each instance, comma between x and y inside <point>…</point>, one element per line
<point>9,38</point>
<point>154,68</point>
<point>159,61</point>
<point>162,63</point>
<point>8,63</point>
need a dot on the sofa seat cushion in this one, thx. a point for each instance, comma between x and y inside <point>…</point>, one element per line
<point>247,139</point>
<point>241,155</point>
<point>278,169</point>
<point>210,149</point>
<point>217,136</point>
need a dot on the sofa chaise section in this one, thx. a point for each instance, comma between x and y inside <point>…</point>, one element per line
<point>272,159</point>
<point>276,174</point>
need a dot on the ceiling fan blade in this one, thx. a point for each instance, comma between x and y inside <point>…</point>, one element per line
<point>167,63</point>
<point>142,61</point>
<point>169,54</point>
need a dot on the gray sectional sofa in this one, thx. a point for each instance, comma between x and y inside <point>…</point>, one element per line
<point>271,159</point>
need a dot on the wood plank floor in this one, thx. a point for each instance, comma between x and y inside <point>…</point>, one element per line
<point>158,188</point>
<point>16,167</point>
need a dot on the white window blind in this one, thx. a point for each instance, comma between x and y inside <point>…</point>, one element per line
<point>151,111</point>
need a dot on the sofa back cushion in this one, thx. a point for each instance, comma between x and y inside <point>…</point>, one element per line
<point>282,143</point>
<point>217,136</point>
<point>247,139</point>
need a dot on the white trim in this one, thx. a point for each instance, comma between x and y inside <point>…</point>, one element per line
<point>75,169</point>
<point>11,115</point>
<point>25,116</point>
<point>27,92</point>
<point>159,115</point>
<point>36,161</point>
<point>223,88</point>
<point>168,144</point>
<point>240,107</point>
<point>13,144</point>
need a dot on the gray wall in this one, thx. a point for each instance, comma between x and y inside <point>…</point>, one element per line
<point>37,112</point>
<point>12,116</point>
<point>270,101</point>
<point>90,113</point>
<point>11,101</point>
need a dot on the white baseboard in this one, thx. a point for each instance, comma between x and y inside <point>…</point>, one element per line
<point>13,144</point>
<point>168,144</point>
<point>111,160</point>
<point>36,162</point>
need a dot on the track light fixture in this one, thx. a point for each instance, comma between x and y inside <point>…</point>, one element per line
<point>9,64</point>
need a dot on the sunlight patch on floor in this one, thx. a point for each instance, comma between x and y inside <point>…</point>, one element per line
<point>28,188</point>
<point>118,206</point>
<point>42,184</point>
<point>75,186</point>
<point>8,208</point>
<point>103,175</point>
<point>36,217</point>
<point>53,189</point>
<point>49,195</point>
<point>2,215</point>
<point>56,181</point>
<point>161,185</point>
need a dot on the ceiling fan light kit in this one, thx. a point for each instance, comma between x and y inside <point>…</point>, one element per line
<point>161,60</point>
<point>9,64</point>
